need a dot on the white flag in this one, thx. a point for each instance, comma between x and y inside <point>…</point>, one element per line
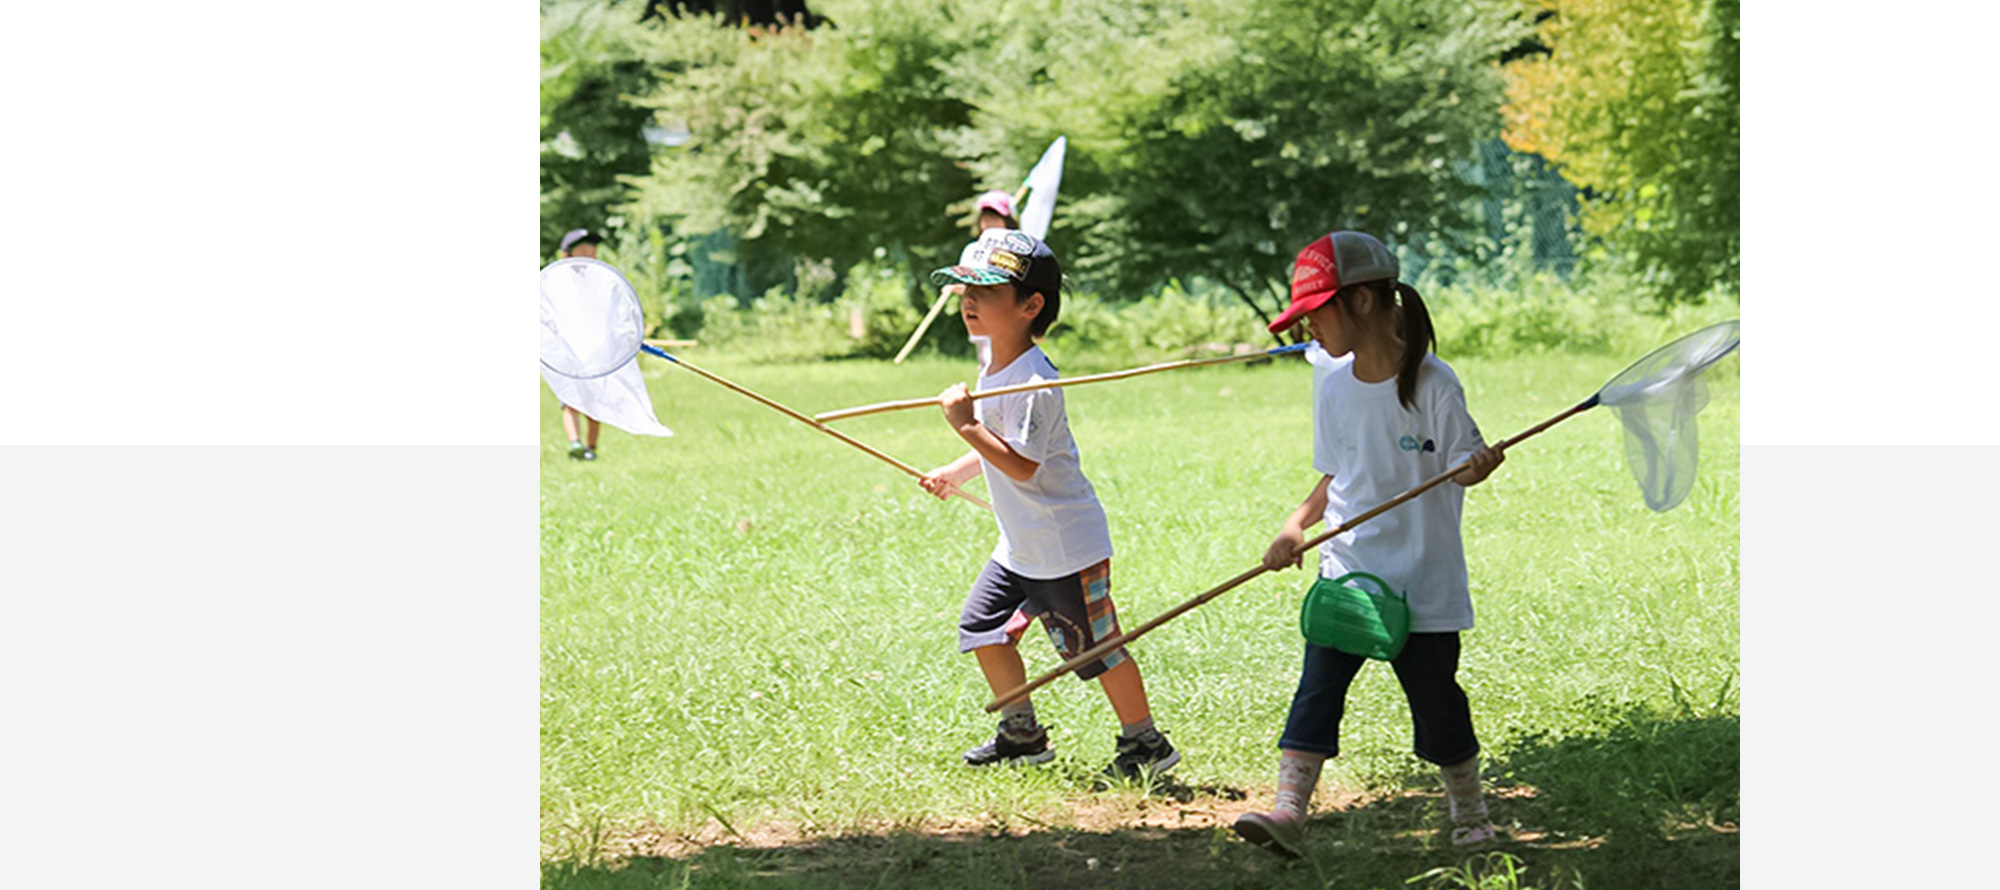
<point>592,327</point>
<point>1042,183</point>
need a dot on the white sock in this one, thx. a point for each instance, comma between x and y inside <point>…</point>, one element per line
<point>1298,774</point>
<point>1462,789</point>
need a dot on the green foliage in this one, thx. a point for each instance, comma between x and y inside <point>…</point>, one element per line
<point>1595,312</point>
<point>778,326</point>
<point>1214,139</point>
<point>594,55</point>
<point>1168,325</point>
<point>807,325</point>
<point>1599,312</point>
<point>1639,103</point>
<point>881,296</point>
<point>1207,139</point>
<point>1492,871</point>
<point>823,144</point>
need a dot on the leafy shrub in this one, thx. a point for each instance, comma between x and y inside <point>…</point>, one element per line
<point>882,295</point>
<point>1171,324</point>
<point>661,276</point>
<point>1606,312</point>
<point>1602,312</point>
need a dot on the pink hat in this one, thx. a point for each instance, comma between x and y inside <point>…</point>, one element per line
<point>999,202</point>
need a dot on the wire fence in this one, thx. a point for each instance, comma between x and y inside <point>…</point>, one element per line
<point>1524,213</point>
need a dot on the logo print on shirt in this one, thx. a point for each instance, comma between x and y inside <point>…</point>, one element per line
<point>1409,443</point>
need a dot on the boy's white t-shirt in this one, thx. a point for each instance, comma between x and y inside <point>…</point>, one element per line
<point>1376,450</point>
<point>1051,525</point>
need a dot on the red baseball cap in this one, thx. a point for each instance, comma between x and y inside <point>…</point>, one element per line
<point>1331,263</point>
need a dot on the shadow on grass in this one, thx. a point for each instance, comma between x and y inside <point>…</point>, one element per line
<point>1648,803</point>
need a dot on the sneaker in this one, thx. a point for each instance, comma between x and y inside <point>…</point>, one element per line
<point>1473,834</point>
<point>589,452</point>
<point>1136,757</point>
<point>576,450</point>
<point>1285,837</point>
<point>1005,748</point>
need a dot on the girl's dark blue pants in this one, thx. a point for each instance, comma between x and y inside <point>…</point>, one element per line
<point>1428,669</point>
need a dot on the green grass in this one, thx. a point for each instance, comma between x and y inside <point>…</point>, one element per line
<point>750,674</point>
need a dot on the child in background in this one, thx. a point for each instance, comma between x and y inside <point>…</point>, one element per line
<point>1053,559</point>
<point>579,243</point>
<point>1387,415</point>
<point>996,211</point>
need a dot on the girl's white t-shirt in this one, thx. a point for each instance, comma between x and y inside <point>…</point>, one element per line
<point>1375,450</point>
<point>1051,525</point>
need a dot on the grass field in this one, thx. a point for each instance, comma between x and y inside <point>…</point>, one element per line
<point>750,674</point>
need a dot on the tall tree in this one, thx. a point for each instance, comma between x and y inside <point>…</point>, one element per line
<point>824,144</point>
<point>594,58</point>
<point>1208,138</point>
<point>1638,103</point>
<point>1215,138</point>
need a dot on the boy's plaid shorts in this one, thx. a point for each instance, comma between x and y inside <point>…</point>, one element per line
<point>1075,609</point>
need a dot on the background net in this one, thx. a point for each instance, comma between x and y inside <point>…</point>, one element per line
<point>1657,399</point>
<point>592,327</point>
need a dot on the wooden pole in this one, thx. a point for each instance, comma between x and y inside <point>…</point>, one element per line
<point>880,407</point>
<point>788,412</point>
<point>925,325</point>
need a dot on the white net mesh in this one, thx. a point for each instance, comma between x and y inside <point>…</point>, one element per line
<point>592,328</point>
<point>1657,399</point>
<point>591,320</point>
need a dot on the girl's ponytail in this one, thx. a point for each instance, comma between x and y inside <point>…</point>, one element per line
<point>1418,338</point>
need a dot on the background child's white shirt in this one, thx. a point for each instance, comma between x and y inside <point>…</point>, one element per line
<point>1375,450</point>
<point>1051,525</point>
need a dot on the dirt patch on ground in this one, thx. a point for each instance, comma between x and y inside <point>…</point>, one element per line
<point>1174,807</point>
<point>1174,838</point>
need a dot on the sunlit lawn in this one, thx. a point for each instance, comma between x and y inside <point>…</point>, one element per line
<point>752,624</point>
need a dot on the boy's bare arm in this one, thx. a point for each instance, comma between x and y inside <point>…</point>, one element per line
<point>941,480</point>
<point>1284,551</point>
<point>957,406</point>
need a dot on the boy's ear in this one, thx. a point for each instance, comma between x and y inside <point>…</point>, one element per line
<point>1033,304</point>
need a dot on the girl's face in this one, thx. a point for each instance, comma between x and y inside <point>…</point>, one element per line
<point>1325,325</point>
<point>990,310</point>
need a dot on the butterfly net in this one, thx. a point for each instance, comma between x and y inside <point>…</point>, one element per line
<point>1657,399</point>
<point>592,328</point>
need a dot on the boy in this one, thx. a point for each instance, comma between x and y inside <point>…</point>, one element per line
<point>1053,559</point>
<point>579,243</point>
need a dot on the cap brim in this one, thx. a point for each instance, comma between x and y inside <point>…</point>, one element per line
<point>1298,310</point>
<point>968,275</point>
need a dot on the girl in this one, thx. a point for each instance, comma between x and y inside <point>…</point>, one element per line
<point>996,211</point>
<point>1387,415</point>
